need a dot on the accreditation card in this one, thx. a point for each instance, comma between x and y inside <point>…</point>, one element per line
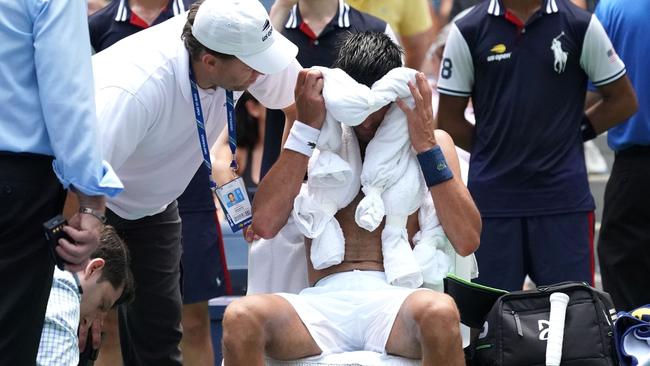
<point>235,203</point>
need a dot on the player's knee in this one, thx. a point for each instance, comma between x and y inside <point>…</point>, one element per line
<point>241,321</point>
<point>437,313</point>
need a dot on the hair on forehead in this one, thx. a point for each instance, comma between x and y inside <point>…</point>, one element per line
<point>367,56</point>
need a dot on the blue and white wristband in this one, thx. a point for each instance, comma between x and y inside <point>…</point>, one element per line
<point>434,166</point>
<point>302,138</point>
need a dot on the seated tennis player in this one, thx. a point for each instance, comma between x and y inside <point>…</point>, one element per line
<point>350,306</point>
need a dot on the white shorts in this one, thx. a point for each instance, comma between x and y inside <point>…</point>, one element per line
<point>350,311</point>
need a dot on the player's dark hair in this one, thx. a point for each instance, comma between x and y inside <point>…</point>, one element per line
<point>368,56</point>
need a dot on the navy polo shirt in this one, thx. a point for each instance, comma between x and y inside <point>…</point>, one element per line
<point>322,50</point>
<point>527,83</point>
<point>116,21</point>
<point>315,50</point>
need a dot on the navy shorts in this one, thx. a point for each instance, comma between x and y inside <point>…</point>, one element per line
<point>205,274</point>
<point>550,249</point>
<point>203,267</point>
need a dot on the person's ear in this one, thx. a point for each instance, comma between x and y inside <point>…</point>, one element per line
<point>95,265</point>
<point>208,60</point>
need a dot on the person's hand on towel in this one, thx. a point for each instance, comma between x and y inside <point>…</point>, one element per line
<point>421,124</point>
<point>310,105</point>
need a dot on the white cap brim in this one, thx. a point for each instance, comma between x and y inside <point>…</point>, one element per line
<point>273,59</point>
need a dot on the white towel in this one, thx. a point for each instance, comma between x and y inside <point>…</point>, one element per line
<point>349,102</point>
<point>402,200</point>
<point>386,154</point>
<point>278,264</point>
<point>346,102</point>
<point>317,203</point>
<point>433,251</point>
<point>385,163</point>
<point>332,183</point>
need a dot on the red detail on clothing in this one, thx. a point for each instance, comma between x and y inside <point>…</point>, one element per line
<point>222,255</point>
<point>591,219</point>
<point>304,27</point>
<point>137,21</point>
<point>512,18</point>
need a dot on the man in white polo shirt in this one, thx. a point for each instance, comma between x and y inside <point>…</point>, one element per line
<point>151,137</point>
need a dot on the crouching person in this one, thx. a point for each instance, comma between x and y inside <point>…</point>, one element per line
<point>351,306</point>
<point>78,298</point>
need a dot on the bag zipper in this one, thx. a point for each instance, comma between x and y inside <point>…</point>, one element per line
<point>542,291</point>
<point>520,331</point>
<point>607,343</point>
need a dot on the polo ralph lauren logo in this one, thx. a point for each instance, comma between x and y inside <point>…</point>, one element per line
<point>560,55</point>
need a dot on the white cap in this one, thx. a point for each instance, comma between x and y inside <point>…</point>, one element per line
<point>242,28</point>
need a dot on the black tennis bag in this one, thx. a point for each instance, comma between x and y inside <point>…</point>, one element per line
<point>516,329</point>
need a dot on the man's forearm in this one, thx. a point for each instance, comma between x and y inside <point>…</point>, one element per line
<point>618,103</point>
<point>461,131</point>
<point>455,207</point>
<point>591,99</point>
<point>415,49</point>
<point>275,195</point>
<point>458,215</point>
<point>95,202</point>
<point>280,186</point>
<point>451,118</point>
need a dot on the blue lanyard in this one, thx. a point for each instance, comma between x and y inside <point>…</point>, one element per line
<point>232,128</point>
<point>200,125</point>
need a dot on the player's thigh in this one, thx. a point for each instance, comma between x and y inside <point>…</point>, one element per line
<point>285,335</point>
<point>405,336</point>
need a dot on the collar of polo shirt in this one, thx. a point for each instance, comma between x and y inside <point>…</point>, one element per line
<point>496,8</point>
<point>342,15</point>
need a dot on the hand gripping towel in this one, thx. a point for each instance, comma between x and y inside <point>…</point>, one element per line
<point>346,102</point>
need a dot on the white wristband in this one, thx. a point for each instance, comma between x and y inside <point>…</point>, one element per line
<point>302,138</point>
